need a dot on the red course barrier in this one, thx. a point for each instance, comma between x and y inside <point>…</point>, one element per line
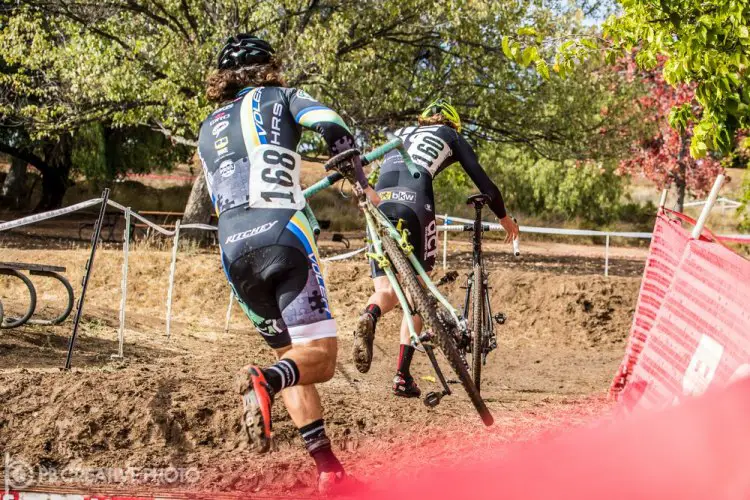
<point>701,335</point>
<point>667,245</point>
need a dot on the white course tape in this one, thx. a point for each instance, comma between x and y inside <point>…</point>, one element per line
<point>724,202</point>
<point>345,255</point>
<point>571,232</point>
<point>542,230</point>
<point>205,227</point>
<point>165,232</point>
<point>48,215</point>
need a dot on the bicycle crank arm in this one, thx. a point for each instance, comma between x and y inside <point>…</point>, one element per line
<point>431,354</point>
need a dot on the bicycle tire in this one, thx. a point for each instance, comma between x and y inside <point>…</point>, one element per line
<point>477,328</point>
<point>426,307</point>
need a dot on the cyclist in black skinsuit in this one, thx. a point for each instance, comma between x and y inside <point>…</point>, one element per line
<point>433,146</point>
<point>248,151</point>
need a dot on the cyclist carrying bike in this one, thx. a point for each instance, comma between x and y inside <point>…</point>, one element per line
<point>434,145</point>
<point>248,151</point>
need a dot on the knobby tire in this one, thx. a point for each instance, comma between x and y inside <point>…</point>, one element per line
<point>426,306</point>
<point>477,328</point>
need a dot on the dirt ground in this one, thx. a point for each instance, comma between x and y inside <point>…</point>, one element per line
<point>169,401</point>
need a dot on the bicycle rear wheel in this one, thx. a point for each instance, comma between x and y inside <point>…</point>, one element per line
<point>426,306</point>
<point>477,326</point>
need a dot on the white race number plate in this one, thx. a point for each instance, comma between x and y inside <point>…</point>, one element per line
<point>274,178</point>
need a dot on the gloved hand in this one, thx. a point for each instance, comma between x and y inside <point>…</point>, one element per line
<point>511,228</point>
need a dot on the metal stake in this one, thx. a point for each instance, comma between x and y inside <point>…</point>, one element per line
<point>445,244</point>
<point>86,276</point>
<point>229,311</point>
<point>606,256</point>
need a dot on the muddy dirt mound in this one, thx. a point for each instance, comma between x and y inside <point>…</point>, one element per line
<point>170,401</point>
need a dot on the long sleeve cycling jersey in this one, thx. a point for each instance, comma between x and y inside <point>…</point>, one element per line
<point>434,148</point>
<point>248,147</point>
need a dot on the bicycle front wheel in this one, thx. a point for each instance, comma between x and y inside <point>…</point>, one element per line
<point>426,307</point>
<point>477,326</point>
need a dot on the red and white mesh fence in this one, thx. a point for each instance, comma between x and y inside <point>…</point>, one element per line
<point>691,327</point>
<point>667,244</point>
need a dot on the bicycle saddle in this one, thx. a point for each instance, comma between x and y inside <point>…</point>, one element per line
<point>478,200</point>
<point>341,161</point>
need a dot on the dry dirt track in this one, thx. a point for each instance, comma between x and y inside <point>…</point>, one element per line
<point>169,402</point>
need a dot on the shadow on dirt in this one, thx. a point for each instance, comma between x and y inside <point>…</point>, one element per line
<point>46,347</point>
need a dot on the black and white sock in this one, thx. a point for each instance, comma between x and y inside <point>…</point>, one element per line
<point>319,447</point>
<point>281,375</point>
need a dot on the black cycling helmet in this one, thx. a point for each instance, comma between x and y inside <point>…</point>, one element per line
<point>244,49</point>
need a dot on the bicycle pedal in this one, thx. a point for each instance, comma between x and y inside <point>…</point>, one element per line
<point>432,399</point>
<point>500,318</point>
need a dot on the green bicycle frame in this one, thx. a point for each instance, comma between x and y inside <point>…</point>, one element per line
<point>375,219</point>
<point>370,157</point>
<point>373,155</point>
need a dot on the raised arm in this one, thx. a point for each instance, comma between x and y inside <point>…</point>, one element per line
<point>315,116</point>
<point>468,160</point>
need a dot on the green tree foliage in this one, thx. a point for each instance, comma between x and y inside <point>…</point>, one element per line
<point>706,43</point>
<point>142,63</point>
<point>587,190</point>
<point>739,157</point>
<point>102,154</point>
<point>745,224</point>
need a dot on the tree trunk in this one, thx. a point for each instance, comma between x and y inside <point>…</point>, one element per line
<point>59,157</point>
<point>681,187</point>
<point>54,185</point>
<point>14,188</point>
<point>198,209</point>
<point>681,178</point>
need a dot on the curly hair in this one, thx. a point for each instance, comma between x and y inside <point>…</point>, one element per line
<point>223,84</point>
<point>436,119</point>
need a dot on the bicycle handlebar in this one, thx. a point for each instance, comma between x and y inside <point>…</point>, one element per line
<point>486,226</point>
<point>517,241</point>
<point>375,154</point>
<point>381,151</point>
<point>334,177</point>
<point>322,184</point>
<point>413,170</point>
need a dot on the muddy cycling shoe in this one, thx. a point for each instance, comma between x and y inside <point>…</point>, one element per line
<point>405,387</point>
<point>331,484</point>
<point>364,336</point>
<point>257,398</point>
